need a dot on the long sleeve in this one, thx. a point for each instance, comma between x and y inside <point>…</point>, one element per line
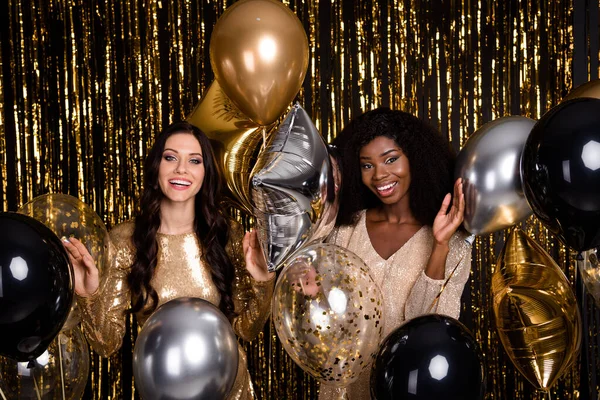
<point>252,299</point>
<point>426,289</point>
<point>103,313</point>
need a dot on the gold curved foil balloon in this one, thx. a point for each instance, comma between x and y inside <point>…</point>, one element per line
<point>328,313</point>
<point>589,268</point>
<point>536,311</point>
<point>259,54</point>
<point>60,373</point>
<point>235,139</point>
<point>67,216</point>
<point>588,89</point>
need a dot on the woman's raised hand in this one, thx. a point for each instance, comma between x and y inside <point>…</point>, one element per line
<point>447,222</point>
<point>86,273</point>
<point>255,259</point>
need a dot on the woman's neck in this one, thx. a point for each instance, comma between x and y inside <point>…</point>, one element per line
<point>398,213</point>
<point>176,218</point>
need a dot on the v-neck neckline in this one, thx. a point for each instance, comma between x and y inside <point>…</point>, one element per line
<point>364,226</point>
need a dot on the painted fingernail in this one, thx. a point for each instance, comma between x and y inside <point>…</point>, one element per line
<point>64,239</point>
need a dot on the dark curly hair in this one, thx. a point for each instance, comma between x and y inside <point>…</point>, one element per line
<point>211,225</point>
<point>429,154</point>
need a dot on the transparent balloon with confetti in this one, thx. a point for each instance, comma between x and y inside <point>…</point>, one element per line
<point>328,313</point>
<point>61,372</point>
<point>67,216</point>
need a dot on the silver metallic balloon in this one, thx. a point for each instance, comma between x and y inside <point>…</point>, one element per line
<point>489,164</point>
<point>186,350</point>
<point>292,188</point>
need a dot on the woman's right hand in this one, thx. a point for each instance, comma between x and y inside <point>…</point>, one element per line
<point>86,273</point>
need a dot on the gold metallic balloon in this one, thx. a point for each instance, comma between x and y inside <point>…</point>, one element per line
<point>589,268</point>
<point>67,216</point>
<point>259,54</point>
<point>328,313</point>
<point>536,311</point>
<point>62,368</point>
<point>589,89</point>
<point>235,138</point>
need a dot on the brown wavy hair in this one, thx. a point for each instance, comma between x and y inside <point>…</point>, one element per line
<point>210,225</point>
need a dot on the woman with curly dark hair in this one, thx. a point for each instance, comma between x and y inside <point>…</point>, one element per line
<point>180,245</point>
<point>396,214</point>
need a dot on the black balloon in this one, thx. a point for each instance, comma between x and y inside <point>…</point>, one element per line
<point>36,286</point>
<point>429,357</point>
<point>560,170</point>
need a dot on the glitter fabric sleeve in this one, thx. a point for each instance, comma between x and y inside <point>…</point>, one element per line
<point>425,289</point>
<point>252,298</point>
<point>103,313</point>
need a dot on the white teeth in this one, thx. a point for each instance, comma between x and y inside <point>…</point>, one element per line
<point>178,182</point>
<point>386,187</point>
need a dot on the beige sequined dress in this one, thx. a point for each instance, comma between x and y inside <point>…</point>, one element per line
<point>180,272</point>
<point>406,290</point>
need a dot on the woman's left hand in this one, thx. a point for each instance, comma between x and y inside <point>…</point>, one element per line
<point>447,222</point>
<point>255,259</point>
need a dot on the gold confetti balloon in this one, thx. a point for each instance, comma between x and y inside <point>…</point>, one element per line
<point>590,273</point>
<point>61,372</point>
<point>328,313</point>
<point>536,311</point>
<point>67,216</point>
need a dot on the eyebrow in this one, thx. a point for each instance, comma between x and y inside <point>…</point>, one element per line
<point>175,151</point>
<point>385,153</point>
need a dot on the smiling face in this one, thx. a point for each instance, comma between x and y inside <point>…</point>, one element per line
<point>181,170</point>
<point>385,170</point>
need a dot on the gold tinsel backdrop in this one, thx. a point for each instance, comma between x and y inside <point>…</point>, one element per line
<point>85,85</point>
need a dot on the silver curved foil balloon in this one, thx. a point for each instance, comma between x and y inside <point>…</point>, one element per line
<point>489,164</point>
<point>186,350</point>
<point>292,188</point>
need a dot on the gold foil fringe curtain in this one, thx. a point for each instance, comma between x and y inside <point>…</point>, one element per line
<point>86,84</point>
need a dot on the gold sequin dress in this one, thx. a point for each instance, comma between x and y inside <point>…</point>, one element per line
<point>180,272</point>
<point>406,290</point>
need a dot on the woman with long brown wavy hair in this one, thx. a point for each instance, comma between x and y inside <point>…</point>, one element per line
<point>180,244</point>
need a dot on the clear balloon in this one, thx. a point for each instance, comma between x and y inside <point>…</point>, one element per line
<point>536,311</point>
<point>63,368</point>
<point>489,165</point>
<point>328,313</point>
<point>186,350</point>
<point>36,286</point>
<point>259,54</point>
<point>589,268</point>
<point>561,172</point>
<point>292,188</point>
<point>429,357</point>
<point>67,216</point>
<point>235,139</point>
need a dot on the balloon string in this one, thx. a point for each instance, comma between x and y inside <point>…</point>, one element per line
<point>37,390</point>
<point>60,361</point>
<point>469,240</point>
<point>264,135</point>
<point>2,394</point>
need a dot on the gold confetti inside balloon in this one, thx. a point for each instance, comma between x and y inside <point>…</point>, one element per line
<point>235,139</point>
<point>67,216</point>
<point>590,273</point>
<point>536,311</point>
<point>328,313</point>
<point>64,366</point>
